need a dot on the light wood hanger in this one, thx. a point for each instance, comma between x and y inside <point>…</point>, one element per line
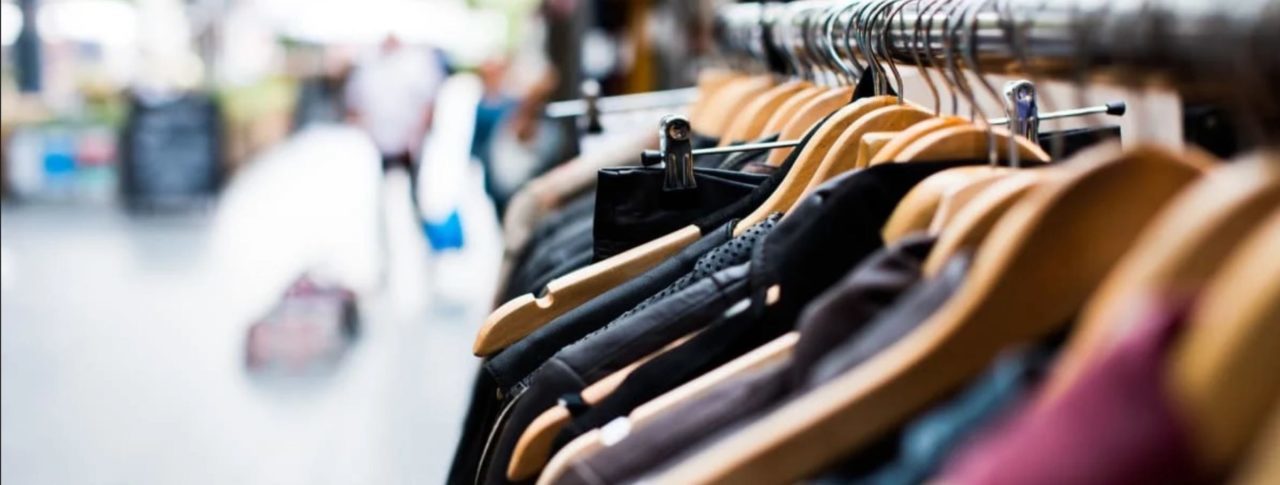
<point>749,123</point>
<point>1178,252</point>
<point>534,446</point>
<point>872,143</point>
<point>968,142</point>
<point>1027,278</point>
<point>710,81</point>
<point>842,156</point>
<point>522,315</point>
<point>1260,467</point>
<point>789,108</point>
<point>727,102</point>
<point>810,159</point>
<point>772,353</point>
<point>806,116</point>
<point>1223,371</point>
<point>954,200</point>
<point>904,138</point>
<point>974,223</point>
<point>915,211</point>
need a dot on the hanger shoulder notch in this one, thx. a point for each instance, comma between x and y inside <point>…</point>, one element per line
<point>519,317</point>
<point>842,156</point>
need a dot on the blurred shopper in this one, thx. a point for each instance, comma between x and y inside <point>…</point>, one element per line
<point>391,95</point>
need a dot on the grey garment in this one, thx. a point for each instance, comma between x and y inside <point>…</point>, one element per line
<point>913,310</point>
<point>677,432</point>
<point>861,300</point>
<point>927,442</point>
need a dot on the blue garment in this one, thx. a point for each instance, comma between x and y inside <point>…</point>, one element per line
<point>926,443</point>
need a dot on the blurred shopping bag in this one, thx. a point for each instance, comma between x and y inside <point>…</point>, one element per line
<point>443,174</point>
<point>306,333</point>
<point>445,235</point>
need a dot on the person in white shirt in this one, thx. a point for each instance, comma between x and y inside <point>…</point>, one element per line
<point>390,95</point>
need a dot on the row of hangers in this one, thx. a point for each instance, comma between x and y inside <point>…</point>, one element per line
<point>1206,226</point>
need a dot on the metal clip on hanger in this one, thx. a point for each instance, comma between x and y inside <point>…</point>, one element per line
<point>1020,102</point>
<point>675,150</point>
<point>591,95</point>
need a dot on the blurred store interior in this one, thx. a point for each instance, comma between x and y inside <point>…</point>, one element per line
<point>172,167</point>
<point>263,241</point>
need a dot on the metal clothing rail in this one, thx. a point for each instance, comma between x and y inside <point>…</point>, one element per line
<point>622,103</point>
<point>1188,44</point>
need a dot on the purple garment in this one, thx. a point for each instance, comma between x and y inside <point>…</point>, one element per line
<point>1115,425</point>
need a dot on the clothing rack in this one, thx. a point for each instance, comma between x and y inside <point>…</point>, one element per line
<point>1221,47</point>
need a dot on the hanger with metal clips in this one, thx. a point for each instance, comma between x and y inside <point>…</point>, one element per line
<point>677,154</point>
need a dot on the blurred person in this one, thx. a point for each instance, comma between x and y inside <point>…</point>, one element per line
<point>511,142</point>
<point>391,94</point>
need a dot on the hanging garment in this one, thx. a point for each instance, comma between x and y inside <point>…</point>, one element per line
<point>875,284</point>
<point>718,280</point>
<point>841,221</point>
<point>1116,425</point>
<point>507,368</point>
<point>925,444</point>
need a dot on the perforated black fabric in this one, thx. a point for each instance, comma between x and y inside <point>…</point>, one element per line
<point>732,253</point>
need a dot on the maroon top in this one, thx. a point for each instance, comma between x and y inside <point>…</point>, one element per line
<point>1115,425</point>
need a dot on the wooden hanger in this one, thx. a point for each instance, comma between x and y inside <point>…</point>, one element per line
<point>534,446</point>
<point>810,159</point>
<point>772,353</point>
<point>1179,252</point>
<point>522,315</point>
<point>789,108</point>
<point>1223,371</point>
<point>905,137</point>
<point>808,115</point>
<point>841,157</point>
<point>968,142</point>
<point>915,211</point>
<point>955,200</point>
<point>749,123</point>
<point>720,110</point>
<point>710,81</point>
<point>1028,277</point>
<point>872,143</point>
<point>1260,467</point>
<point>974,223</point>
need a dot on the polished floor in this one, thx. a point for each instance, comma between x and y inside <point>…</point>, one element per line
<point>123,336</point>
